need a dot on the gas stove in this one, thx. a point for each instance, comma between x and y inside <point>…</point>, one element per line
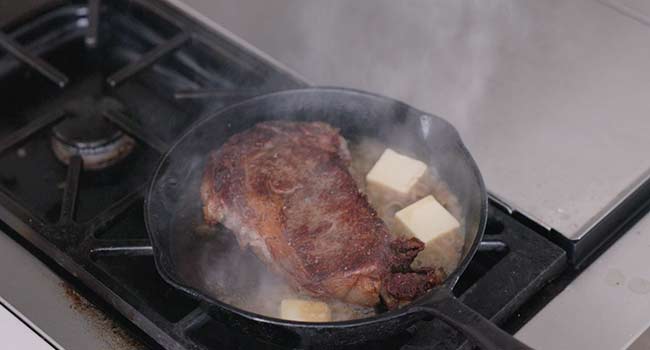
<point>95,92</point>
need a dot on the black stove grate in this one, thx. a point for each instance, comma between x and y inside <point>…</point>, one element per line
<point>165,70</point>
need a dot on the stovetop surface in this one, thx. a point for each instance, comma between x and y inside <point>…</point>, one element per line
<point>165,71</point>
<point>517,78</point>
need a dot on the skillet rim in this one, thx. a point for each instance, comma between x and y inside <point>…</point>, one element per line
<point>445,287</point>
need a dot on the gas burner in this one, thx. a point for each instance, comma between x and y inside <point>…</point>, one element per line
<point>85,132</point>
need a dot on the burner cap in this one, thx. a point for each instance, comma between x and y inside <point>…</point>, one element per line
<point>85,132</point>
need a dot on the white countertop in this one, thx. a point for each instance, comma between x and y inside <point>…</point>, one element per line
<point>551,96</point>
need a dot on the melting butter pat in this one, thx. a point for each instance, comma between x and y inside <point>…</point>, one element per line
<point>395,172</point>
<point>305,310</point>
<point>431,223</point>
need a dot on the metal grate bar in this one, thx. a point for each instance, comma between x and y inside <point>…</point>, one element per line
<point>29,129</point>
<point>109,215</point>
<point>217,93</point>
<point>492,246</point>
<point>35,62</point>
<point>130,247</point>
<point>69,202</point>
<point>132,128</point>
<point>195,317</point>
<point>93,23</point>
<point>148,59</point>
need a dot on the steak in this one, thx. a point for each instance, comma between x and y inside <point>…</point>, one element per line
<point>285,191</point>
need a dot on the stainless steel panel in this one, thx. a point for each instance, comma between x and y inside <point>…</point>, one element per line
<point>606,307</point>
<point>551,96</point>
<point>54,307</point>
<point>636,9</point>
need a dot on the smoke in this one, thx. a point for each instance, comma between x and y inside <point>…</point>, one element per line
<point>207,257</point>
<point>439,56</point>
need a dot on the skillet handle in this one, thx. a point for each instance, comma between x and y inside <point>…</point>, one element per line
<point>475,327</point>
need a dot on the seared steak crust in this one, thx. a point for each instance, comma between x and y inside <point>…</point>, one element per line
<point>284,189</point>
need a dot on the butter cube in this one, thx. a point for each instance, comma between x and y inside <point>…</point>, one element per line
<point>396,172</point>
<point>431,223</point>
<point>305,310</point>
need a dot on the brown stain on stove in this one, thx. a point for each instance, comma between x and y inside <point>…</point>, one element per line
<point>112,333</point>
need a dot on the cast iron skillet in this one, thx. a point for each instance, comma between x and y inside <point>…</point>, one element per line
<point>191,257</point>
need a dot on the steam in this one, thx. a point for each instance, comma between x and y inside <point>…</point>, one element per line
<point>208,258</point>
<point>399,49</point>
<point>439,56</point>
